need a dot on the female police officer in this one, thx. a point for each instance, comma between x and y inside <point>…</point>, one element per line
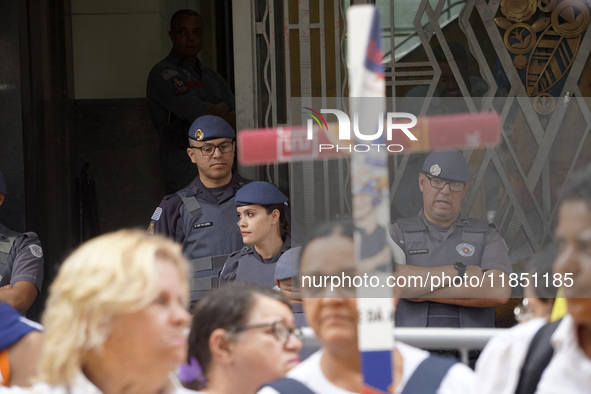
<point>265,230</point>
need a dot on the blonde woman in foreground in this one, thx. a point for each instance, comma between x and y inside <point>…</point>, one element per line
<point>115,319</point>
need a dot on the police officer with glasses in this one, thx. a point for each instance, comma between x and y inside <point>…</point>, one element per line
<point>202,216</point>
<point>440,242</point>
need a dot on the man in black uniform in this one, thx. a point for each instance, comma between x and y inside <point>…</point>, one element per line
<point>441,243</point>
<point>202,216</point>
<point>21,264</point>
<point>179,90</point>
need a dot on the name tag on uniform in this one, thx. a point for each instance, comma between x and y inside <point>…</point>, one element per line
<point>418,251</point>
<point>201,225</point>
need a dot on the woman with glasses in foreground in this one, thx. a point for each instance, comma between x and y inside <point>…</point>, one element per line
<point>243,336</point>
<point>115,321</point>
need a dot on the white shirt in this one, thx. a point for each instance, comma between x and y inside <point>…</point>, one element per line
<point>459,378</point>
<point>499,365</point>
<point>80,385</point>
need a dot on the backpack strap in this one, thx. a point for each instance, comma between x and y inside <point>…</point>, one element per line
<point>288,386</point>
<point>538,357</point>
<point>429,374</point>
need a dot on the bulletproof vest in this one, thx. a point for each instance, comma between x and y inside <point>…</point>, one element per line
<point>6,241</point>
<point>251,268</point>
<point>211,234</point>
<point>465,245</point>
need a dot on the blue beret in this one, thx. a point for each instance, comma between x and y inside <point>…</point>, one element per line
<point>3,189</point>
<point>448,165</point>
<point>261,193</point>
<point>283,267</point>
<point>210,127</point>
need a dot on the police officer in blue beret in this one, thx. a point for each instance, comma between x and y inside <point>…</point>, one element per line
<point>262,219</point>
<point>439,241</point>
<point>21,264</point>
<point>202,216</point>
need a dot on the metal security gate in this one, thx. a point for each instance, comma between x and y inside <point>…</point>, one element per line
<point>528,60</point>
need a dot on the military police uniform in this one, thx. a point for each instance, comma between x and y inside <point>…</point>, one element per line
<point>467,242</point>
<point>247,265</point>
<point>202,220</point>
<point>208,234</point>
<point>178,92</point>
<point>21,258</point>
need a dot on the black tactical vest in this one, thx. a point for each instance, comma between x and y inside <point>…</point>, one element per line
<point>252,269</point>
<point>211,234</point>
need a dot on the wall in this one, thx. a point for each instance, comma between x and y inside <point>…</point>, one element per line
<point>116,43</point>
<point>116,138</point>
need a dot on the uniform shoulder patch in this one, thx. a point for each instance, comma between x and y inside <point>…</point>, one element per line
<point>157,214</point>
<point>36,250</point>
<point>168,73</point>
<point>180,86</point>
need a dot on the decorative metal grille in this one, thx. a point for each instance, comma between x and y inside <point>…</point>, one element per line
<point>530,56</point>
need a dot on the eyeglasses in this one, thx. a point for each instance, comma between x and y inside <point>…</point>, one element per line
<point>439,183</point>
<point>281,331</point>
<point>207,150</point>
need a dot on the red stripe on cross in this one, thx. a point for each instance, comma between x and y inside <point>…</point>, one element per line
<point>286,144</point>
